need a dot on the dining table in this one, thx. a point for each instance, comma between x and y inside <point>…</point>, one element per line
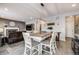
<point>39,37</point>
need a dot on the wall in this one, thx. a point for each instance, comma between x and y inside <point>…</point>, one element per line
<point>60,20</point>
<point>70,26</point>
<point>36,23</point>
<point>59,25</point>
<point>20,25</point>
<point>33,21</point>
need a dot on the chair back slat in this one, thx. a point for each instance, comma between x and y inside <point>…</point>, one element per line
<point>53,38</point>
<point>26,37</point>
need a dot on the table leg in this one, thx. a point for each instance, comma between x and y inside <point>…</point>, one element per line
<point>40,49</point>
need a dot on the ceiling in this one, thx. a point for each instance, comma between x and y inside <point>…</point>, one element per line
<point>24,11</point>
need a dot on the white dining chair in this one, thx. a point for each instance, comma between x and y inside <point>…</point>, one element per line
<point>31,47</point>
<point>50,43</point>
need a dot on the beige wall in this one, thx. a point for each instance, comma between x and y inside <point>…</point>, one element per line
<point>76,24</point>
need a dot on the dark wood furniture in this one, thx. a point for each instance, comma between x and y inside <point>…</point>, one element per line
<point>2,41</point>
<point>58,36</point>
<point>14,37</point>
<point>75,46</point>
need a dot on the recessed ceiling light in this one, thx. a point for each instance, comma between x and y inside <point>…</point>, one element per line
<point>73,5</point>
<point>6,9</point>
<point>31,17</point>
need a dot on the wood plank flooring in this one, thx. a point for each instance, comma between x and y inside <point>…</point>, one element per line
<point>64,48</point>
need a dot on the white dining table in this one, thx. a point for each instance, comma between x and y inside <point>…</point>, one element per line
<point>38,37</point>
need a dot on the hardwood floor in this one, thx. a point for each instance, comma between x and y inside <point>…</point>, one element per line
<point>64,48</point>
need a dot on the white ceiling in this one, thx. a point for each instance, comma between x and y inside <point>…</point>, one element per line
<point>24,11</point>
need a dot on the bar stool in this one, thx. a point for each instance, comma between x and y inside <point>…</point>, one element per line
<point>31,47</point>
<point>50,43</point>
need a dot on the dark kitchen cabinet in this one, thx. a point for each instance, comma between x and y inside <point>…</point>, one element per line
<point>75,46</point>
<point>14,37</point>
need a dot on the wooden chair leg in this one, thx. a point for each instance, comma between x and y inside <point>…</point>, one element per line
<point>25,51</point>
<point>51,52</point>
<point>30,52</point>
<point>40,49</point>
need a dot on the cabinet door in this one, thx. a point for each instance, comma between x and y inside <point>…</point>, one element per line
<point>73,44</point>
<point>76,49</point>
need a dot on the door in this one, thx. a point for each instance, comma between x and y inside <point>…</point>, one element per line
<point>70,26</point>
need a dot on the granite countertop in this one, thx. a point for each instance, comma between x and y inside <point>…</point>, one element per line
<point>76,35</point>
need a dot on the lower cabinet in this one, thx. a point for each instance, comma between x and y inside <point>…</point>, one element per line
<point>75,46</point>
